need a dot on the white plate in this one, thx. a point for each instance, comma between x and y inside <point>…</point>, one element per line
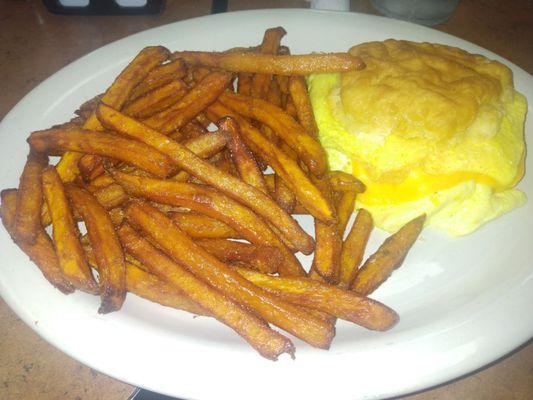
<point>463,303</point>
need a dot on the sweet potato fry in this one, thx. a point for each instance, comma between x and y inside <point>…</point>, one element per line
<point>274,94</point>
<point>345,206</point>
<point>304,64</point>
<point>57,141</point>
<point>380,265</point>
<point>106,246</point>
<point>244,83</point>
<point>354,246</point>
<point>65,233</point>
<point>283,125</point>
<point>99,182</point>
<point>207,145</point>
<point>214,204</point>
<point>192,129</point>
<point>270,45</point>
<point>326,298</point>
<point>282,164</point>
<point>90,167</point>
<point>302,104</point>
<point>115,96</point>
<point>344,182</point>
<point>178,246</point>
<point>159,76</point>
<point>261,258</point>
<point>144,284</point>
<point>233,187</point>
<point>326,261</point>
<point>156,100</point>
<point>41,251</point>
<point>27,222</point>
<point>195,101</point>
<point>267,342</point>
<point>284,195</point>
<point>242,157</point>
<point>201,226</point>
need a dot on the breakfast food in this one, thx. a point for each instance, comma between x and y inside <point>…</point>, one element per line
<point>167,167</point>
<point>427,128</point>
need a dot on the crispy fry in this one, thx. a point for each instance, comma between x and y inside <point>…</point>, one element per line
<point>233,187</point>
<point>192,129</point>
<point>99,182</point>
<point>41,251</point>
<point>195,101</point>
<point>152,288</point>
<point>380,265</point>
<point>207,145</point>
<point>326,261</point>
<point>57,141</point>
<point>87,108</point>
<point>106,246</point>
<point>244,83</point>
<point>159,76</point>
<point>344,182</point>
<point>354,246</point>
<point>284,195</point>
<point>285,166</point>
<point>242,157</point>
<point>306,147</point>
<point>201,226</point>
<point>304,64</point>
<point>90,167</point>
<point>267,342</point>
<point>345,206</point>
<point>177,245</point>
<point>27,222</point>
<point>302,104</point>
<point>156,100</point>
<point>214,204</point>
<point>115,96</point>
<point>327,298</point>
<point>274,94</point>
<point>270,45</point>
<point>65,233</point>
<point>261,258</point>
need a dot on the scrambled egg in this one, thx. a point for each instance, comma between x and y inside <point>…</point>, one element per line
<point>428,128</point>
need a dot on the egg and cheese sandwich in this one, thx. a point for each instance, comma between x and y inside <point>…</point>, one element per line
<point>429,129</point>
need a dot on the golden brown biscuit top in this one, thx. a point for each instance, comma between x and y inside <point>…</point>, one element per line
<point>425,90</point>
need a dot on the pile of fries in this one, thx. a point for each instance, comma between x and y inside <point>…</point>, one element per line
<point>187,217</point>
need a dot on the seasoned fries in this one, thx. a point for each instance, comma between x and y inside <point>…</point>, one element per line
<point>157,100</point>
<point>202,95</point>
<point>184,158</point>
<point>266,341</point>
<point>282,164</point>
<point>115,96</point>
<point>57,141</point>
<point>273,64</point>
<point>107,249</point>
<point>185,215</point>
<point>354,247</point>
<point>65,234</point>
<point>201,226</point>
<point>27,223</point>
<point>41,251</point>
<point>326,298</point>
<point>283,125</point>
<point>214,204</point>
<point>178,246</point>
<point>387,258</point>
<point>242,157</point>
